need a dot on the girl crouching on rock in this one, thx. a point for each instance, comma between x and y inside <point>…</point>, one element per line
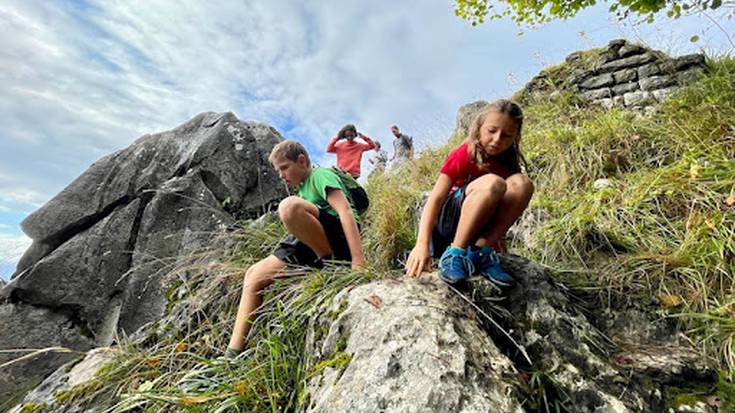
<point>479,194</point>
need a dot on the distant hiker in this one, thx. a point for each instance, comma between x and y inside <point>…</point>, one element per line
<point>349,150</point>
<point>380,160</point>
<point>322,224</point>
<point>479,194</point>
<point>402,147</point>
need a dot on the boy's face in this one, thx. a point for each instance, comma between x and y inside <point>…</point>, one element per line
<point>292,172</point>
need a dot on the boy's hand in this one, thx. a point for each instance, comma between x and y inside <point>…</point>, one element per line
<point>418,261</point>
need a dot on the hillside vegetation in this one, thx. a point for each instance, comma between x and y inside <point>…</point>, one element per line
<point>660,229</point>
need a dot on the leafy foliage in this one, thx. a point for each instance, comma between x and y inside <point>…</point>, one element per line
<point>541,11</point>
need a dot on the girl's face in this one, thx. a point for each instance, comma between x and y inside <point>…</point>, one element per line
<point>498,133</point>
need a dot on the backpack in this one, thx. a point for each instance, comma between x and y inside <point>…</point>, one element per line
<point>357,195</point>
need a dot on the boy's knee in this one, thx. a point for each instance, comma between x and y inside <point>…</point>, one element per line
<point>288,207</point>
<point>256,278</point>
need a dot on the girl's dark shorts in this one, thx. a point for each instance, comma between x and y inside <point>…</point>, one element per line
<point>446,225</point>
<point>294,252</point>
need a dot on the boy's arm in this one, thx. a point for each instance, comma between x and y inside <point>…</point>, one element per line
<point>338,201</point>
<point>419,258</point>
<point>370,143</point>
<point>332,145</point>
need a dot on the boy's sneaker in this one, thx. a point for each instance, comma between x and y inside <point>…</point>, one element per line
<point>454,265</point>
<point>487,264</point>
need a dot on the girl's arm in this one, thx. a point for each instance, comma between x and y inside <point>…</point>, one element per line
<point>338,201</point>
<point>419,259</point>
<point>370,143</point>
<point>332,145</point>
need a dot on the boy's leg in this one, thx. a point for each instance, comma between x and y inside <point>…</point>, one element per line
<point>482,197</point>
<point>301,218</point>
<point>257,277</point>
<point>513,203</point>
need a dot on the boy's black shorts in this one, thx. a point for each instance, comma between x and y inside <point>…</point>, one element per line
<point>294,252</point>
<point>446,225</point>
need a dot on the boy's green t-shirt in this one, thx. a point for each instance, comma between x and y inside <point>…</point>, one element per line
<point>314,189</point>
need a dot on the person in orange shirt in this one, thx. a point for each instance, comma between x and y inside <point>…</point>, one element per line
<point>349,150</point>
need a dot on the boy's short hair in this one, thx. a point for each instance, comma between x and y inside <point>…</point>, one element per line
<point>290,150</point>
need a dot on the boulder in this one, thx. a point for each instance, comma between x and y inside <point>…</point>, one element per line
<point>406,346</point>
<point>74,373</point>
<point>44,340</point>
<point>466,114</point>
<point>102,246</point>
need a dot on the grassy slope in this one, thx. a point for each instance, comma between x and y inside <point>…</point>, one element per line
<point>663,230</point>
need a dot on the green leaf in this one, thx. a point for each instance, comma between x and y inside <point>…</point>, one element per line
<point>694,39</point>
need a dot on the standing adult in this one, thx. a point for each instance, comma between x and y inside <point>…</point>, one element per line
<point>402,147</point>
<point>349,150</point>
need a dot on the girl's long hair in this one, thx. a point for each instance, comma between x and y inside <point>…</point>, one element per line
<point>513,156</point>
<point>347,127</point>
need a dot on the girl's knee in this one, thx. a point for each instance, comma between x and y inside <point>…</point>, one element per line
<point>520,183</point>
<point>490,184</point>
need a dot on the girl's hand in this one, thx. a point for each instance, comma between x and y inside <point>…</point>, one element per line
<point>418,261</point>
<point>358,264</point>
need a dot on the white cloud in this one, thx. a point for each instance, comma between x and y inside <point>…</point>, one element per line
<point>82,79</point>
<point>12,248</point>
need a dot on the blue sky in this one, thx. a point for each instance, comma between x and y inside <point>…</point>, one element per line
<point>84,78</point>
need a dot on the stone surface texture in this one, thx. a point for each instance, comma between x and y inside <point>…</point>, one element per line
<point>415,347</point>
<point>74,373</point>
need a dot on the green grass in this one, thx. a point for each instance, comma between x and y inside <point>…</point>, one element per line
<point>664,226</point>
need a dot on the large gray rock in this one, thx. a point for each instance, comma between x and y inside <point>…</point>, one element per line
<point>44,339</point>
<point>74,373</point>
<point>407,346</point>
<point>466,114</point>
<point>102,246</point>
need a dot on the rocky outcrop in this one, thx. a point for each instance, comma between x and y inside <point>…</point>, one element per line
<point>101,246</point>
<point>421,346</point>
<point>404,346</point>
<point>73,374</point>
<point>620,74</point>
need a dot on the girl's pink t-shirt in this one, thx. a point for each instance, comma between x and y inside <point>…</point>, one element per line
<point>461,169</point>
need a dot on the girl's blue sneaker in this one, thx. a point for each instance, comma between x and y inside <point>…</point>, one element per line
<point>487,264</point>
<point>454,265</point>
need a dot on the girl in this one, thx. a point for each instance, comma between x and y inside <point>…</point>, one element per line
<point>479,194</point>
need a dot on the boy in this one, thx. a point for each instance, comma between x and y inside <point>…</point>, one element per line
<point>322,224</point>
